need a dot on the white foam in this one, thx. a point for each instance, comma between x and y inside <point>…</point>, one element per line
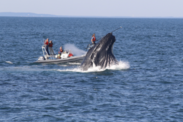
<point>120,66</point>
<point>74,63</point>
<point>9,62</point>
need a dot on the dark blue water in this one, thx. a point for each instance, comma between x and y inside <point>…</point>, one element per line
<point>151,90</point>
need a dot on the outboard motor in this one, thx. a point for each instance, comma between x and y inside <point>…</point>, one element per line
<point>41,58</point>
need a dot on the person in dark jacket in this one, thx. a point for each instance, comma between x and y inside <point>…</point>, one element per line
<point>50,48</point>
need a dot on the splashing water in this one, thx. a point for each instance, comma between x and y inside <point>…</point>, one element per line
<point>73,49</point>
<point>120,66</point>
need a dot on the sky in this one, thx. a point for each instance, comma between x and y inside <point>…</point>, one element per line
<point>97,8</point>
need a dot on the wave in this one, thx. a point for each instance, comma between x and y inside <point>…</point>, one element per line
<point>9,62</point>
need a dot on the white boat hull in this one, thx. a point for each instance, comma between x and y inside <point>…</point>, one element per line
<point>65,60</point>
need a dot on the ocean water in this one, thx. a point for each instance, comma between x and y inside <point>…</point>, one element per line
<point>147,86</point>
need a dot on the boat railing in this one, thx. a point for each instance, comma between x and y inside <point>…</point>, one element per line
<point>45,53</point>
<point>89,46</point>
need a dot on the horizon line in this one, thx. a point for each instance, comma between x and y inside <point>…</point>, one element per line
<point>15,14</point>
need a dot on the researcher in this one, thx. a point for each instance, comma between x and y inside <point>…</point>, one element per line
<point>46,42</point>
<point>50,48</point>
<point>93,39</point>
<point>60,51</point>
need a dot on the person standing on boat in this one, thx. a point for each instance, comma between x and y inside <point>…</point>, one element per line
<point>50,48</point>
<point>46,42</point>
<point>93,39</point>
<point>61,50</point>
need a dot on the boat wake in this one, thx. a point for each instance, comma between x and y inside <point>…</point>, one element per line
<point>120,66</point>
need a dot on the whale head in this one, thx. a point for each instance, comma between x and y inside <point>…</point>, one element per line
<point>101,54</point>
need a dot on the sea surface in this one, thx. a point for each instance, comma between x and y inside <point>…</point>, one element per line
<point>147,86</point>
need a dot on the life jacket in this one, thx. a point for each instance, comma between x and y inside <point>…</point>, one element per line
<point>70,54</point>
<point>59,52</point>
<point>50,44</point>
<point>46,43</point>
<point>94,39</point>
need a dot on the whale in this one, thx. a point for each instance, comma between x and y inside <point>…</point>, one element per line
<point>101,54</point>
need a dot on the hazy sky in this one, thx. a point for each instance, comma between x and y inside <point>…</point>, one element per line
<point>97,8</point>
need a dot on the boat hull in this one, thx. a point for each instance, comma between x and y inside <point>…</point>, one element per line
<point>65,60</point>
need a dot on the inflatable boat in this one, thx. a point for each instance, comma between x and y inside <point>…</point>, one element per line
<point>65,57</point>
